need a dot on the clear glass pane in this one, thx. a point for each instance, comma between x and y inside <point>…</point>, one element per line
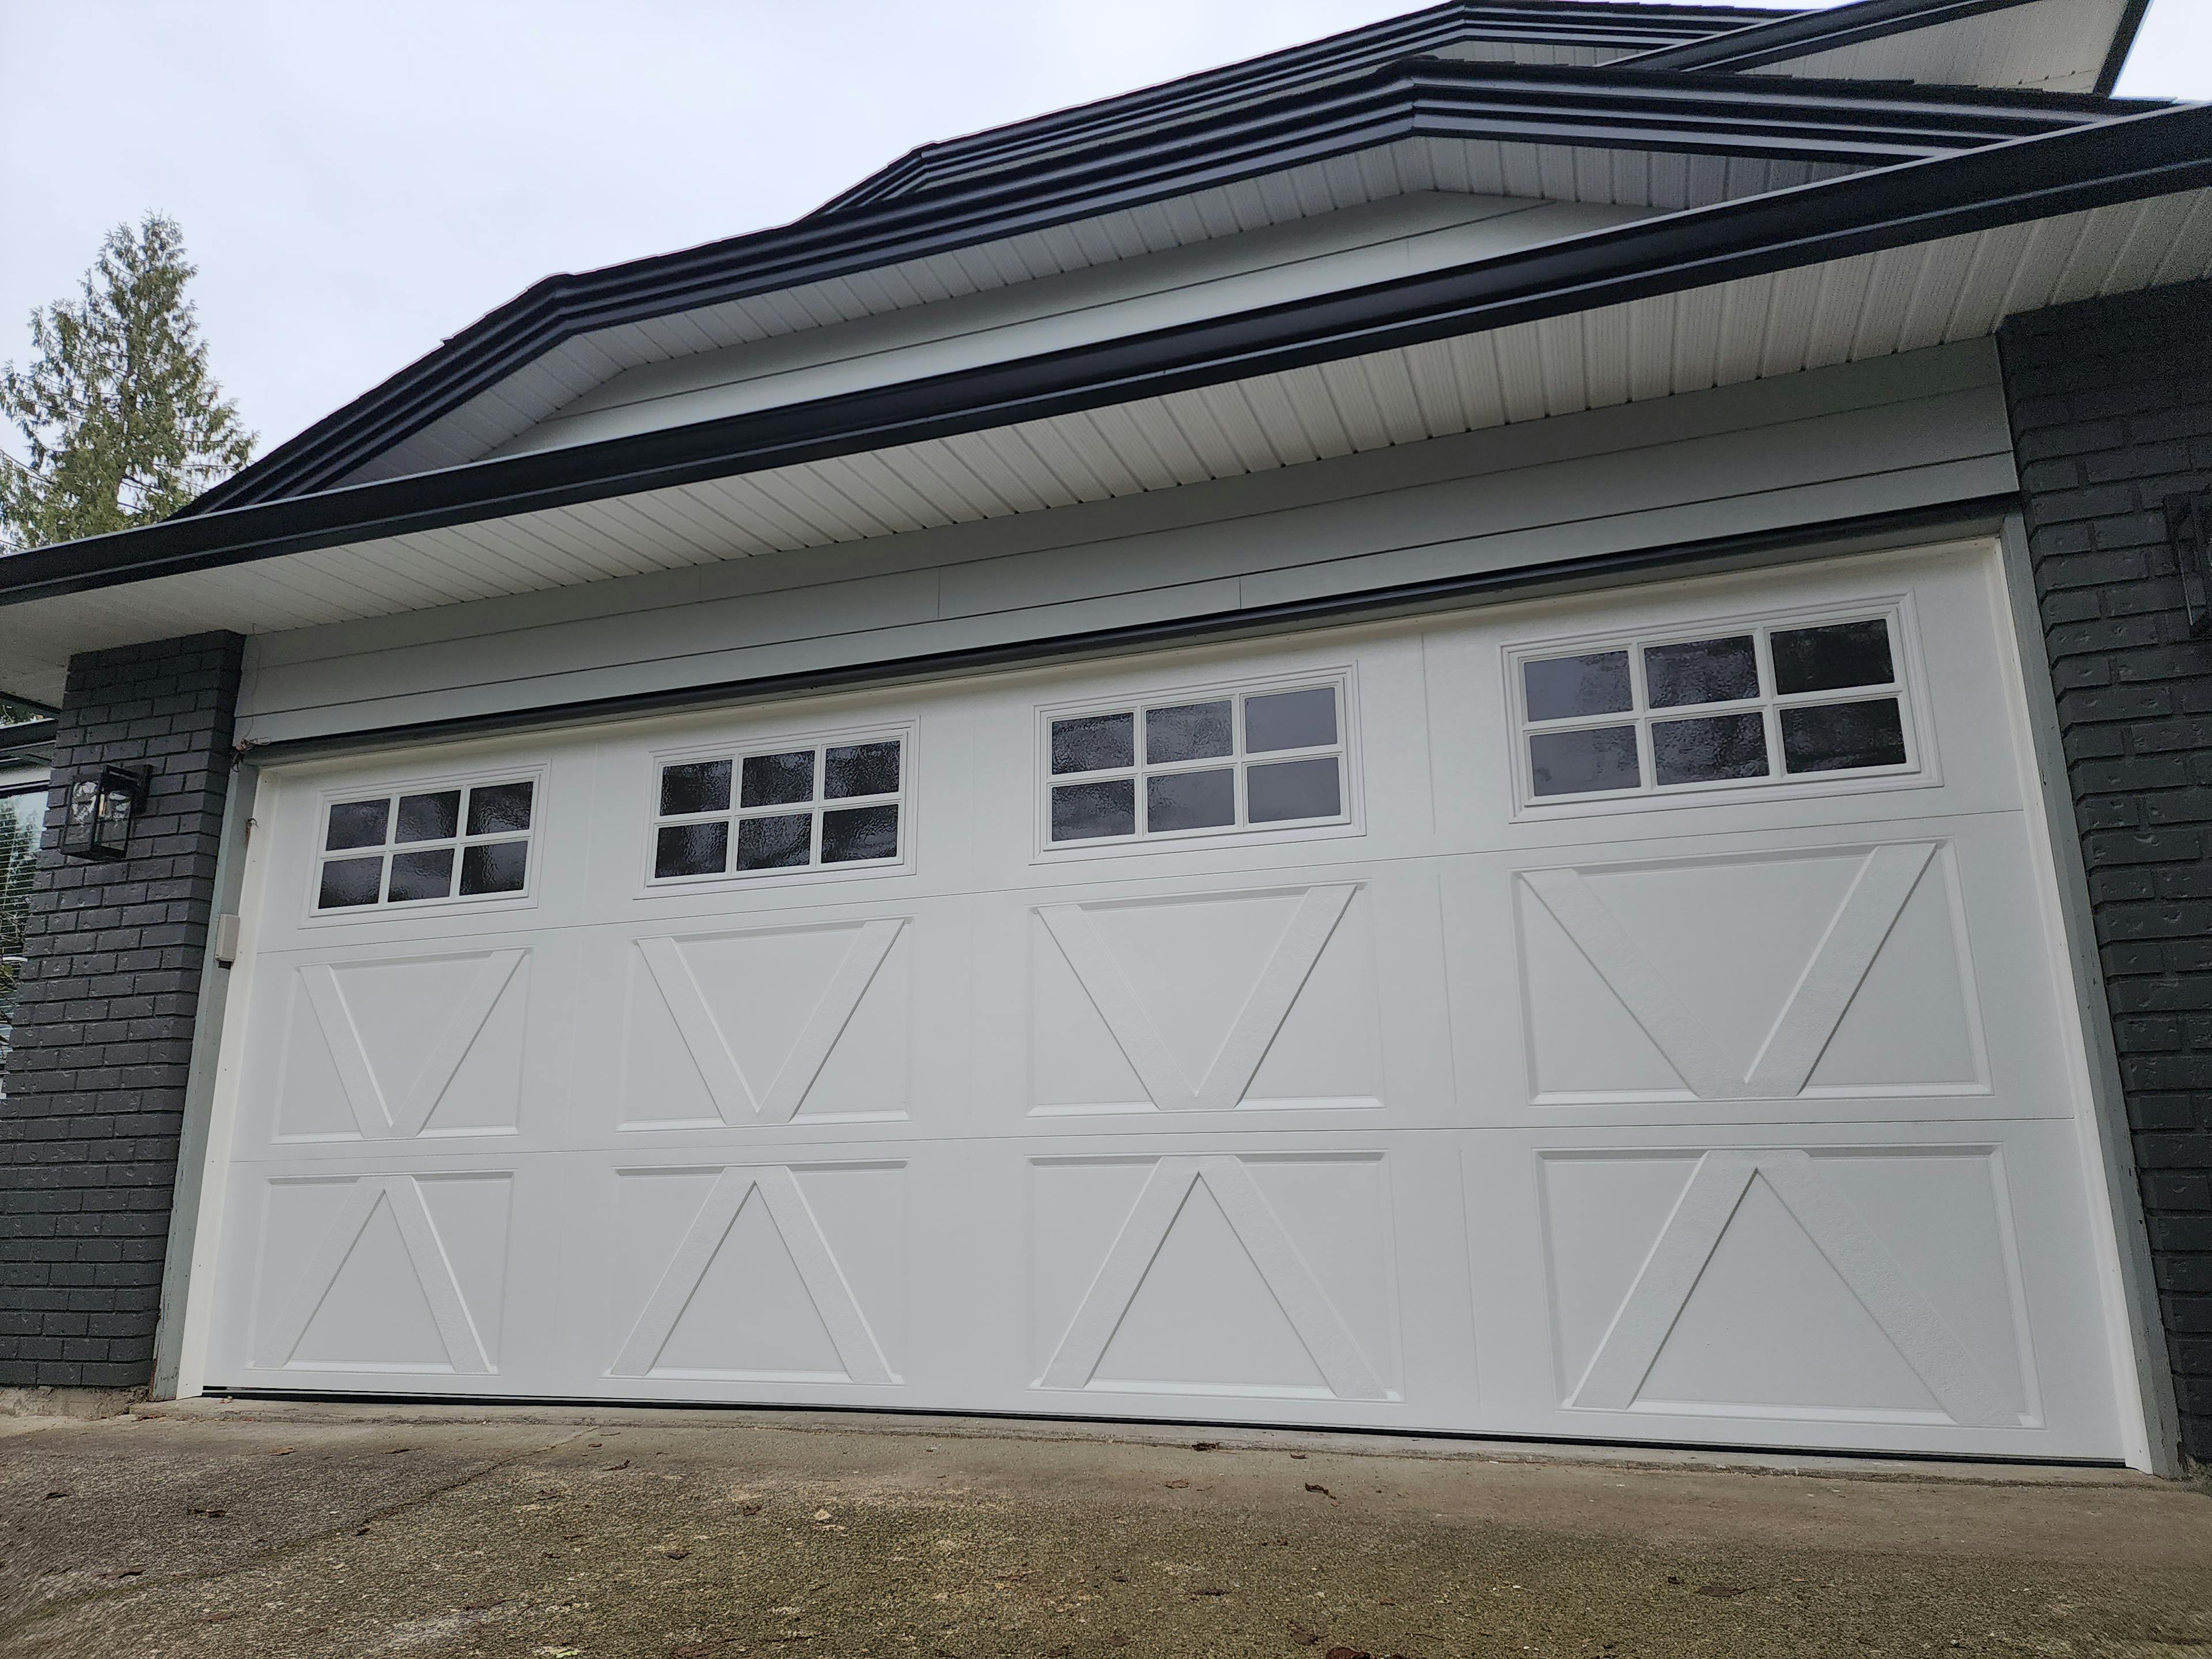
<point>499,809</point>
<point>691,849</point>
<point>349,882</point>
<point>421,876</point>
<point>778,780</point>
<point>1843,736</point>
<point>1700,750</point>
<point>860,769</point>
<point>1701,671</point>
<point>694,787</point>
<point>1094,743</point>
<point>1190,800</point>
<point>358,824</point>
<point>1833,657</point>
<point>1290,720</point>
<point>1189,731</point>
<point>1557,687</point>
<point>498,866</point>
<point>1085,812</point>
<point>1577,762</point>
<point>860,832</point>
<point>429,818</point>
<point>1292,789</point>
<point>775,843</point>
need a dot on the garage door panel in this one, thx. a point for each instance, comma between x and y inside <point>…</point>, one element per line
<point>1824,1286</point>
<point>1149,1002</point>
<point>1803,975</point>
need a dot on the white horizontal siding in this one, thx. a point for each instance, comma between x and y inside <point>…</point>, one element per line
<point>1604,178</point>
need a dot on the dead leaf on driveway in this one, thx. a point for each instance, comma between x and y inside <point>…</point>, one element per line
<point>1178,1483</point>
<point>1315,1486</point>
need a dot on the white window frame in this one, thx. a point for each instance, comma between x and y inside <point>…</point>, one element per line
<point>1906,685</point>
<point>320,854</point>
<point>1345,821</point>
<point>736,751</point>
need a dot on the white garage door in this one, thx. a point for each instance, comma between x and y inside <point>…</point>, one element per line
<point>1629,1016</point>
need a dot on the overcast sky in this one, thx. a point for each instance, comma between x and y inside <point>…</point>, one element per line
<point>358,180</point>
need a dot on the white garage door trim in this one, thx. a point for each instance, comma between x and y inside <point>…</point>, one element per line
<point>1091,1168</point>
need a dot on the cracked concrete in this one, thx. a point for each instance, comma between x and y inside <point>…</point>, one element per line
<point>206,1532</point>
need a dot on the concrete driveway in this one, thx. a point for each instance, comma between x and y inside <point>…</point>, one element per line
<point>214,1530</point>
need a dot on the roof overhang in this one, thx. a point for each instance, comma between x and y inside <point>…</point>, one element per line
<point>1561,109</point>
<point>2148,155</point>
<point>1776,46</point>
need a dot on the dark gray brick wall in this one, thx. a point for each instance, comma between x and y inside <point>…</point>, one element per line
<point>2112,411</point>
<point>103,1023</point>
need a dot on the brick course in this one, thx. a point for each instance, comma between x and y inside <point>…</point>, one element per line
<point>2112,412</point>
<point>104,1022</point>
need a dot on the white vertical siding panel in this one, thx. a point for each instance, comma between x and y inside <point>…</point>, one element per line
<point>1794,297</point>
<point>1605,352</point>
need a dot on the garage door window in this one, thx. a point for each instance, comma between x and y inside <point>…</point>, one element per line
<point>1773,702</point>
<point>795,807</point>
<point>404,847</point>
<point>1227,761</point>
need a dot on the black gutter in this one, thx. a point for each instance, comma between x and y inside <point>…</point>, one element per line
<point>1715,114</point>
<point>1810,32</point>
<point>1629,28</point>
<point>27,741</point>
<point>2124,40</point>
<point>1829,537</point>
<point>2006,184</point>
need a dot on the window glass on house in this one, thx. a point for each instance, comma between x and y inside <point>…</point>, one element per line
<point>1187,765</point>
<point>781,807</point>
<point>22,821</point>
<point>1765,703</point>
<point>410,847</point>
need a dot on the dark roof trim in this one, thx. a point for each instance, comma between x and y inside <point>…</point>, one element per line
<point>1630,28</point>
<point>1980,516</point>
<point>2029,179</point>
<point>24,741</point>
<point>1807,32</point>
<point>1609,108</point>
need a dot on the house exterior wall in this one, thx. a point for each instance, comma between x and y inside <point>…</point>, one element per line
<point>95,1084</point>
<point>1916,431</point>
<point>2112,408</point>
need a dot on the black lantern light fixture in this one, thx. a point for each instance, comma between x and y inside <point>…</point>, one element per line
<point>102,806</point>
<point>2189,526</point>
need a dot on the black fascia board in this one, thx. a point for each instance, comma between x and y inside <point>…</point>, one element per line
<point>2124,40</point>
<point>2080,169</point>
<point>1807,32</point>
<point>1632,28</point>
<point>1723,114</point>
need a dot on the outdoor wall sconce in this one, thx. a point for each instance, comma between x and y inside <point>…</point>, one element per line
<point>2189,526</point>
<point>101,807</point>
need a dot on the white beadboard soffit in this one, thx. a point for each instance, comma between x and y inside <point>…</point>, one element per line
<point>2052,45</point>
<point>1870,306</point>
<point>1661,182</point>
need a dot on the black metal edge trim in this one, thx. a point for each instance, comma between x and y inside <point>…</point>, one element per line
<point>1245,143</point>
<point>1580,23</point>
<point>2124,40</point>
<point>1826,538</point>
<point>1810,32</point>
<point>522,1403</point>
<point>2006,184</point>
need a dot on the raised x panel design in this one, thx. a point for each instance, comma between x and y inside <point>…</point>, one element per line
<point>1205,1002</point>
<point>1874,1285</point>
<point>1763,977</point>
<point>764,1025</point>
<point>750,1289</point>
<point>405,1047</point>
<point>403,1274</point>
<point>1180,1275</point>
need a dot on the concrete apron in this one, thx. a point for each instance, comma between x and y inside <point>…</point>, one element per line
<point>214,1530</point>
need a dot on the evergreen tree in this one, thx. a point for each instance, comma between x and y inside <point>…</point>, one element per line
<point>122,421</point>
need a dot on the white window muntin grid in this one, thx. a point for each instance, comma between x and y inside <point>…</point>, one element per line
<point>734,814</point>
<point>391,795</point>
<point>1768,703</point>
<point>1236,762</point>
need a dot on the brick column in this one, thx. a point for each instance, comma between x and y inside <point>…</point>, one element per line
<point>104,1023</point>
<point>2112,412</point>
